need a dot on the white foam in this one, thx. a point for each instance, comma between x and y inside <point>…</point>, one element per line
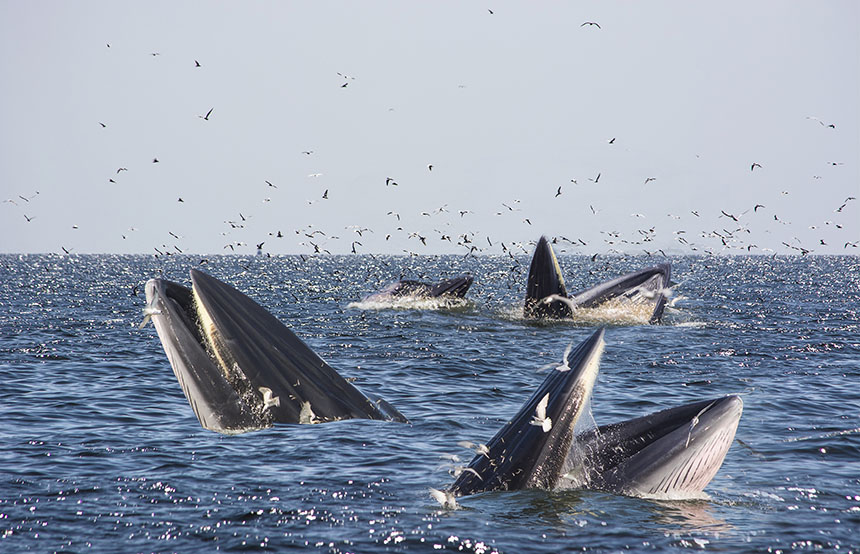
<point>411,303</point>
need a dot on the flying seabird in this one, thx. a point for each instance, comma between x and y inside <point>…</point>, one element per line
<point>478,448</point>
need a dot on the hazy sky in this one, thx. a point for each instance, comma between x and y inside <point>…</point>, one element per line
<point>507,106</point>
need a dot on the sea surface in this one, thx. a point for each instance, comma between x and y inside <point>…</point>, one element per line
<point>100,451</point>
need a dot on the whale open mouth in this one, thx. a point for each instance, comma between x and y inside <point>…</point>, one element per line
<point>242,369</point>
<point>673,453</point>
<point>547,297</point>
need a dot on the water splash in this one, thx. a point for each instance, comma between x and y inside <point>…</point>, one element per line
<point>413,303</point>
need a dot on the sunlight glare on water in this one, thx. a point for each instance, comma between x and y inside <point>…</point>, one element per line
<point>102,452</point>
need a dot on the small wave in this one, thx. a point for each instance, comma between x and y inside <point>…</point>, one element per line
<point>692,324</point>
<point>825,435</point>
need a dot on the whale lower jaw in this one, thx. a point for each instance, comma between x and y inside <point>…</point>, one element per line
<point>671,454</point>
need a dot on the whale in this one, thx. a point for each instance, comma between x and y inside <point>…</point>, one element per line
<point>547,296</point>
<point>455,287</point>
<point>673,453</point>
<point>240,368</point>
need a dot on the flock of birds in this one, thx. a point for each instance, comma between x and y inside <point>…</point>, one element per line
<point>735,235</point>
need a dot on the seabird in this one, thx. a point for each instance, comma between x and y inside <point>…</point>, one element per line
<point>445,498</point>
<point>540,419</point>
<point>307,415</point>
<point>478,448</point>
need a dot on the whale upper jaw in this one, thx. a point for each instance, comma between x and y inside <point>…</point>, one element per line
<point>242,369</point>
<point>544,279</point>
<point>525,455</point>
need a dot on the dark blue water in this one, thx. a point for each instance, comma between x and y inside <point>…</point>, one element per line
<point>100,451</point>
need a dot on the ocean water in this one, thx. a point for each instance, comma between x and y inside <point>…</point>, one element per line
<point>100,451</point>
